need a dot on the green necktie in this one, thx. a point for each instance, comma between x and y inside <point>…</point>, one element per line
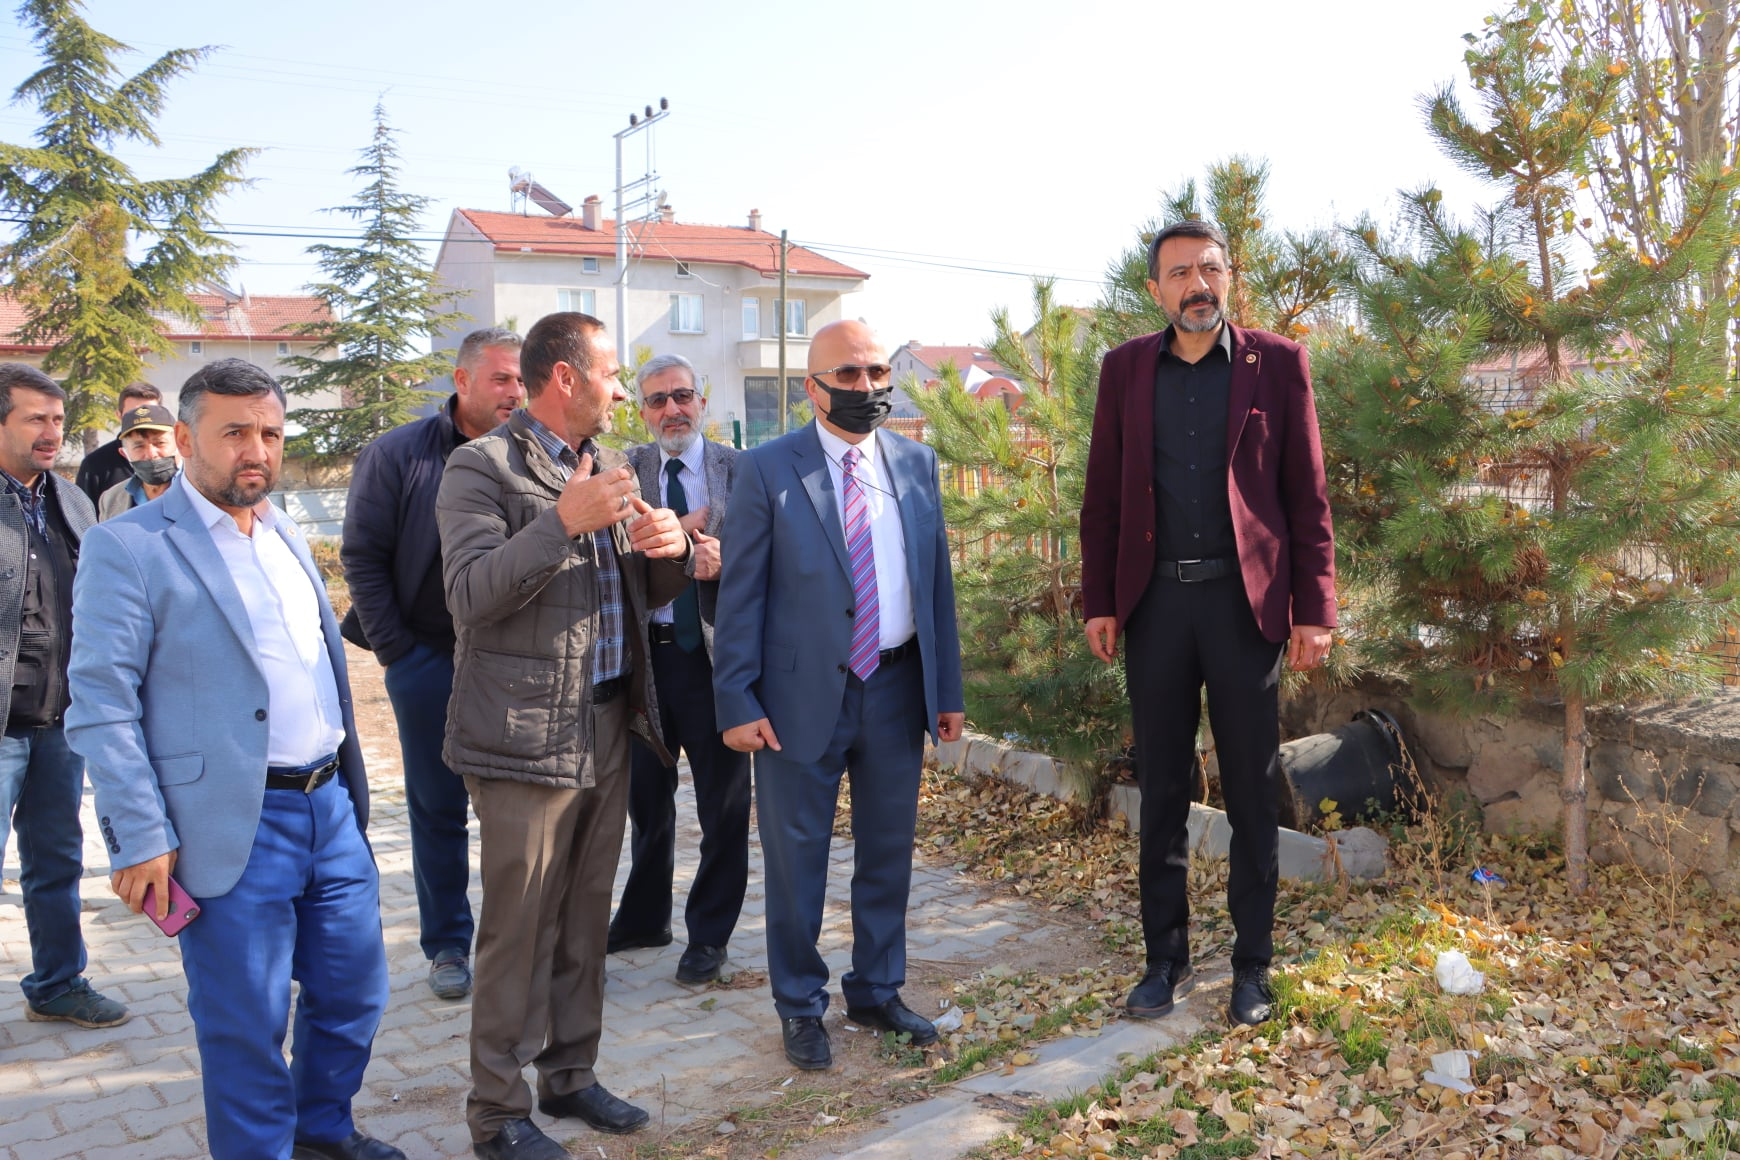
<point>686,612</point>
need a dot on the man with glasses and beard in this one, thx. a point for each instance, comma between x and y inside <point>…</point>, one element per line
<point>691,475</point>
<point>213,710</point>
<point>1206,541</point>
<point>837,652</point>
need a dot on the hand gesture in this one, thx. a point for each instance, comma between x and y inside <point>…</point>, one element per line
<point>590,502</point>
<point>758,734</point>
<point>695,521</point>
<point>656,531</point>
<point>706,557</point>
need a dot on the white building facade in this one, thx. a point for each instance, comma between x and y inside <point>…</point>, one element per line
<point>708,293</point>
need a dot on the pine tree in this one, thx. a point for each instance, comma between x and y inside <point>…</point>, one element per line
<point>1277,280</point>
<point>1572,539</point>
<point>382,296</point>
<point>1015,522</point>
<point>96,306</point>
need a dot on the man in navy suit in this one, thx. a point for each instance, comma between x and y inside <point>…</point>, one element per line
<point>211,705</point>
<point>839,652</point>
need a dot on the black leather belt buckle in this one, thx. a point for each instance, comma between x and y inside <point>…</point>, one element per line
<point>1196,571</point>
<point>305,780</point>
<point>889,656</point>
<point>603,692</point>
<point>662,633</point>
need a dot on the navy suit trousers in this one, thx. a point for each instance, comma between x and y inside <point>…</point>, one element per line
<point>878,742</point>
<point>307,909</point>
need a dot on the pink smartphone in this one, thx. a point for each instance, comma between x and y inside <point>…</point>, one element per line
<point>182,909</point>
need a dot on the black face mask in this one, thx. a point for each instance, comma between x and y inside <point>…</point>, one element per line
<point>858,412</point>
<point>155,472</point>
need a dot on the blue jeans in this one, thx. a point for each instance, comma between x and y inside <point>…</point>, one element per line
<point>419,684</point>
<point>41,784</point>
<point>308,909</point>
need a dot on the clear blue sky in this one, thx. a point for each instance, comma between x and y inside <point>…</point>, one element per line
<point>925,143</point>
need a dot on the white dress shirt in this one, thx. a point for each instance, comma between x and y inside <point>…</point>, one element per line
<point>893,590</point>
<point>304,720</point>
<point>693,477</point>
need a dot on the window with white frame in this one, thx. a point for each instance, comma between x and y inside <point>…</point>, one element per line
<point>686,314</point>
<point>583,301</point>
<point>196,347</point>
<point>283,349</point>
<point>683,270</point>
<point>751,316</point>
<point>796,316</point>
<point>589,265</point>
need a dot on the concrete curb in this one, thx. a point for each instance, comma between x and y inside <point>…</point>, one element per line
<point>988,1105</point>
<point>1358,852</point>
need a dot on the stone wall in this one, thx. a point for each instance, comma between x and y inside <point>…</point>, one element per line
<point>1664,780</point>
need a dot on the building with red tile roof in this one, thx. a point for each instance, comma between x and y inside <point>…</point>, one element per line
<point>707,292</point>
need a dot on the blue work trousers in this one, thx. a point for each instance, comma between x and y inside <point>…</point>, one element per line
<point>307,909</point>
<point>41,784</point>
<point>419,685</point>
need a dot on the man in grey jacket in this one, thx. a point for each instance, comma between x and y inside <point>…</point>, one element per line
<point>43,520</point>
<point>552,563</point>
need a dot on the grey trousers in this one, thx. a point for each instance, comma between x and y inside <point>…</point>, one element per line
<point>549,864</point>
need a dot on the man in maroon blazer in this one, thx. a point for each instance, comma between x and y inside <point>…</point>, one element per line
<point>1206,541</point>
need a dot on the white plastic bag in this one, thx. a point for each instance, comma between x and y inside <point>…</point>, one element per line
<point>1457,976</point>
<point>1450,1069</point>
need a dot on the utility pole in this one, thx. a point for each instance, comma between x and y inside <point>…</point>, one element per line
<point>779,321</point>
<point>646,195</point>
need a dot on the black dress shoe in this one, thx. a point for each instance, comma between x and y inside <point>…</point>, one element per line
<point>620,941</point>
<point>602,1111</point>
<point>519,1140</point>
<point>1251,998</point>
<point>1164,983</point>
<point>806,1042</point>
<point>357,1147</point>
<point>897,1017</point>
<point>700,964</point>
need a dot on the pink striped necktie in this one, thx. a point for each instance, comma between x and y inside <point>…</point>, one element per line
<point>867,621</point>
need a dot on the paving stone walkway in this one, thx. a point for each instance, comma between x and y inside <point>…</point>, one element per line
<point>133,1092</point>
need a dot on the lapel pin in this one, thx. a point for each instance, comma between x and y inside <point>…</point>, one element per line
<point>1250,358</point>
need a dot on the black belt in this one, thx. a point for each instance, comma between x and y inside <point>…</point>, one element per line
<point>899,652</point>
<point>606,691</point>
<point>306,778</point>
<point>662,633</point>
<point>1195,571</point>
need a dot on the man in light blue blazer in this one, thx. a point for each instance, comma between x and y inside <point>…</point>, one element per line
<point>835,651</point>
<point>211,705</point>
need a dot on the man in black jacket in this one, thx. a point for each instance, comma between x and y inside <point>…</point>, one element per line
<point>392,560</point>
<point>106,466</point>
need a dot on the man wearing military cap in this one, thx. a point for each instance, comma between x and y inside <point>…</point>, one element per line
<point>148,446</point>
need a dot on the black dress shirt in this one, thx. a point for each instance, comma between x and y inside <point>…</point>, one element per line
<point>1190,418</point>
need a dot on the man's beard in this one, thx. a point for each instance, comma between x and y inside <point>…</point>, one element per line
<point>1183,320</point>
<point>674,443</point>
<point>233,494</point>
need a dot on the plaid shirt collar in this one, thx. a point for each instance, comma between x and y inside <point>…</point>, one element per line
<point>30,499</point>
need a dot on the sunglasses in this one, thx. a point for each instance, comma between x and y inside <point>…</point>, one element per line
<point>683,396</point>
<point>848,375</point>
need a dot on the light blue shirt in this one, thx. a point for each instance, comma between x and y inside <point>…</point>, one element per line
<point>893,590</point>
<point>693,477</point>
